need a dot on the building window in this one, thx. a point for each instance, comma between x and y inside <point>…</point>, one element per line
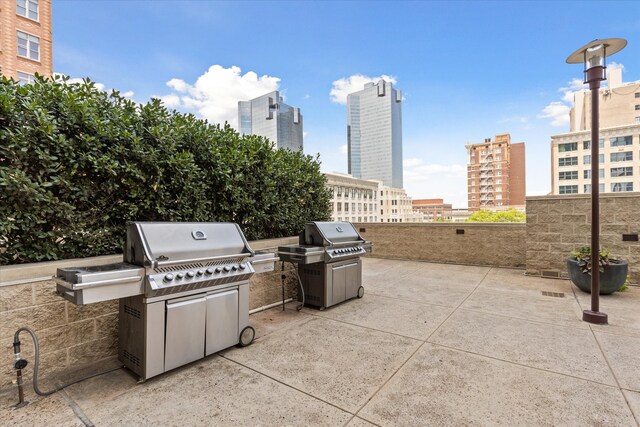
<point>28,46</point>
<point>568,189</point>
<point>637,107</point>
<point>587,159</point>
<point>625,171</point>
<point>587,144</point>
<point>622,157</point>
<point>587,173</point>
<point>637,94</point>
<point>568,161</point>
<point>619,141</point>
<point>637,119</point>
<point>339,207</point>
<point>587,188</point>
<point>571,146</point>
<point>568,175</point>
<point>346,207</point>
<point>25,78</point>
<point>620,187</point>
<point>27,8</point>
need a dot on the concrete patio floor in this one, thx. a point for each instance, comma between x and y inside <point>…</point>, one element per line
<point>428,344</point>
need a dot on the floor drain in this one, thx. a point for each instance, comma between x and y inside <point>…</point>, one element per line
<point>553,294</point>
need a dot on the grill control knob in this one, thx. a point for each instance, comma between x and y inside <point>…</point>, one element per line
<point>179,276</point>
<point>218,269</point>
<point>168,277</point>
<point>200,273</point>
<point>242,266</point>
<point>209,270</point>
<point>190,274</point>
<point>226,268</point>
<point>234,268</point>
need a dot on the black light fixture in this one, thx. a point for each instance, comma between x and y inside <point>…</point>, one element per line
<point>594,57</point>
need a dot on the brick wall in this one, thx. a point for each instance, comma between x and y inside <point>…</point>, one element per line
<point>72,337</point>
<point>556,225</point>
<point>481,244</point>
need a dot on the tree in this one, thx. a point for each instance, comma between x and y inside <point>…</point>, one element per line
<point>511,215</point>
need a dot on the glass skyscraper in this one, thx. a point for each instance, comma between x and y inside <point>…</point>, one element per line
<point>270,117</point>
<point>374,133</point>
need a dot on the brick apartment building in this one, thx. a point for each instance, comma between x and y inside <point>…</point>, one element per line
<point>25,39</point>
<point>433,209</point>
<point>496,174</point>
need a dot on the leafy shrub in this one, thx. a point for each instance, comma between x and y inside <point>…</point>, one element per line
<point>76,163</point>
<point>585,262</point>
<point>511,215</point>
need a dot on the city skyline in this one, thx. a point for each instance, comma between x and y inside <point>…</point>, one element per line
<point>269,116</point>
<point>467,70</point>
<point>374,133</point>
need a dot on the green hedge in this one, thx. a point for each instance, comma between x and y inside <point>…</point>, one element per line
<point>76,163</point>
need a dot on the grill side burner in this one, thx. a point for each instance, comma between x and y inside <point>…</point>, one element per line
<point>183,291</point>
<point>329,264</point>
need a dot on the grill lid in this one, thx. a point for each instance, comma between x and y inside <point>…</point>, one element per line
<point>157,243</point>
<point>329,233</point>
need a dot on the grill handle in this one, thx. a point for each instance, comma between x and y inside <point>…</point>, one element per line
<point>157,264</point>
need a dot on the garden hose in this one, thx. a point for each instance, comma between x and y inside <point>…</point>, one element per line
<point>21,363</point>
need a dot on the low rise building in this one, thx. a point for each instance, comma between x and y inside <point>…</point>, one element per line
<point>353,199</point>
<point>433,209</point>
<point>364,200</point>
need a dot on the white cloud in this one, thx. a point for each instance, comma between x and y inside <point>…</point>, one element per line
<point>435,181</point>
<point>215,94</point>
<point>558,112</point>
<point>97,85</point>
<point>346,85</point>
<point>307,96</point>
<point>170,101</point>
<point>344,149</point>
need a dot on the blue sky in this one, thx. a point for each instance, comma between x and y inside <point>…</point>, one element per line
<point>467,70</point>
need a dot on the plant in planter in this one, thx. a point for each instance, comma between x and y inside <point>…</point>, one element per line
<point>613,271</point>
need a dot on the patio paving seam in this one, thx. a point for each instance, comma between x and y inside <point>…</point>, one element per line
<point>410,300</point>
<point>285,384</point>
<point>539,322</point>
<point>523,365</point>
<point>76,409</point>
<point>421,345</point>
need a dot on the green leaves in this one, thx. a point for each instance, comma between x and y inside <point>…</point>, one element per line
<point>76,163</point>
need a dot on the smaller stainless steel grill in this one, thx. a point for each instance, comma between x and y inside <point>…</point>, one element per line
<point>183,291</point>
<point>329,265</point>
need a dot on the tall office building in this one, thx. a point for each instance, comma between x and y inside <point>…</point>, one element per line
<point>269,116</point>
<point>374,133</point>
<point>619,157</point>
<point>25,39</point>
<point>496,174</point>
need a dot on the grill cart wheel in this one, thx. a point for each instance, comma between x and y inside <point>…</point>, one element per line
<point>360,291</point>
<point>246,336</point>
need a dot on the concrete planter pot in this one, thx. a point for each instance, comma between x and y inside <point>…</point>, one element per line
<point>611,279</point>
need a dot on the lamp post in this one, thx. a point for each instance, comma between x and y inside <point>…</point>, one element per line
<point>593,55</point>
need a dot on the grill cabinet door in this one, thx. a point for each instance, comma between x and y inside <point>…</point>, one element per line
<point>345,282</point>
<point>222,321</point>
<point>185,330</point>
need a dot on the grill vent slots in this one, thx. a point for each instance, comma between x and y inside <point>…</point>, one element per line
<point>132,311</point>
<point>131,358</point>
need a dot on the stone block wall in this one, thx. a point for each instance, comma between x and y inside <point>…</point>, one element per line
<point>481,244</point>
<point>556,225</point>
<point>73,337</point>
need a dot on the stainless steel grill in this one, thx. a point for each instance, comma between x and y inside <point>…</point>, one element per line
<point>183,291</point>
<point>329,265</point>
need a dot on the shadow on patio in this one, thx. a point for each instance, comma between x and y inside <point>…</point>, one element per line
<point>428,344</point>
